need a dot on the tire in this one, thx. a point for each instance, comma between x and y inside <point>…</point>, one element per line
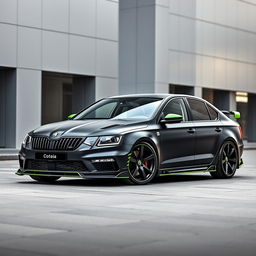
<point>45,179</point>
<point>142,163</point>
<point>227,161</point>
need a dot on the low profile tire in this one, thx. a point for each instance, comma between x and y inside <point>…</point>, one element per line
<point>142,163</point>
<point>44,179</point>
<point>227,161</point>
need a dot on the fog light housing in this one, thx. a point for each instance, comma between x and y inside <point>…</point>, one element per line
<point>103,160</point>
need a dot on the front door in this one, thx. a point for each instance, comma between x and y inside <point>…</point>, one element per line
<point>177,140</point>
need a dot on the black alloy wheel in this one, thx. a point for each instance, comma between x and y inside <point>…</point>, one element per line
<point>142,163</point>
<point>227,162</point>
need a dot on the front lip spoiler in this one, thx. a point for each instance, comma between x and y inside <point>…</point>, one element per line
<point>120,175</point>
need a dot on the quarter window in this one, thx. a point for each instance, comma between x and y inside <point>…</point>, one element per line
<point>198,110</point>
<point>213,113</point>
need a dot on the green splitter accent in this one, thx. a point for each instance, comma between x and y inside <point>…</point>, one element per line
<point>170,116</point>
<point>237,114</point>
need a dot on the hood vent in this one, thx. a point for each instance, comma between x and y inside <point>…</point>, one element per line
<point>110,126</point>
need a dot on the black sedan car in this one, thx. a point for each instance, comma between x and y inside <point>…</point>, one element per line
<point>135,137</point>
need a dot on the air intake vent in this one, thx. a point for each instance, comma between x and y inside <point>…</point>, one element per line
<point>68,144</point>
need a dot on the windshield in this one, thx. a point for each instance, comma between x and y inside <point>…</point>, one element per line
<point>122,109</point>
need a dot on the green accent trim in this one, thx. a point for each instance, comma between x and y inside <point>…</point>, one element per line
<point>71,116</point>
<point>49,175</point>
<point>30,170</point>
<point>237,114</point>
<point>171,116</point>
<point>175,173</point>
<point>124,177</point>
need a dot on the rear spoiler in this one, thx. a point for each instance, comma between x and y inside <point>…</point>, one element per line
<point>235,114</point>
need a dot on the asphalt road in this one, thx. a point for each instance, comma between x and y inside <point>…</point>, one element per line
<point>177,215</point>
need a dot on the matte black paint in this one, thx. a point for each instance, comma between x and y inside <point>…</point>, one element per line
<point>186,146</point>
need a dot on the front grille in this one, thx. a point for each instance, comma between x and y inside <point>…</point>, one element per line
<point>68,144</point>
<point>76,166</point>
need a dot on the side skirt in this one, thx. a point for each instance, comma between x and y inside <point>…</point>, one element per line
<point>187,171</point>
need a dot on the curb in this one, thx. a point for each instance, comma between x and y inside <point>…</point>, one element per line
<point>9,157</point>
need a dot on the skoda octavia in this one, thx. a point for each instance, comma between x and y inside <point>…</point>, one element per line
<point>135,137</point>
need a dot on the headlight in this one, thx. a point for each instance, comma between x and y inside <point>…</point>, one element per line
<point>27,142</point>
<point>109,140</point>
<point>90,141</point>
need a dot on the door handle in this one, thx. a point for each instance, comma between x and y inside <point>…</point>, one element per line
<point>217,129</point>
<point>191,130</point>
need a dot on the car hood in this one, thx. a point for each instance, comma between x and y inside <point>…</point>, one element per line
<point>83,128</point>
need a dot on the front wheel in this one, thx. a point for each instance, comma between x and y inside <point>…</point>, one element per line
<point>142,163</point>
<point>44,179</point>
<point>227,161</point>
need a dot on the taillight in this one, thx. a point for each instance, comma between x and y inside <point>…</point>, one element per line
<point>240,131</point>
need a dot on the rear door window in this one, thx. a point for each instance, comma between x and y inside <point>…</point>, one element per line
<point>198,110</point>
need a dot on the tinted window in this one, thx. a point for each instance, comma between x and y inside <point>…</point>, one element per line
<point>198,110</point>
<point>175,106</point>
<point>213,113</point>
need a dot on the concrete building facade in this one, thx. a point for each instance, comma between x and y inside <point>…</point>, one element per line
<point>58,56</point>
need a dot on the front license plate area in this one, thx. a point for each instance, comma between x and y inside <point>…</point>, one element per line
<point>50,156</point>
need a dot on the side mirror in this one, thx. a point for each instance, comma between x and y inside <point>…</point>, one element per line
<point>172,118</point>
<point>71,116</point>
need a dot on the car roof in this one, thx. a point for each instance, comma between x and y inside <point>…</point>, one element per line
<point>154,95</point>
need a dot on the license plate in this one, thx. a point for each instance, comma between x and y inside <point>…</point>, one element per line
<point>50,156</point>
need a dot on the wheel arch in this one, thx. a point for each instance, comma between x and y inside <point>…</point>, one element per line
<point>221,144</point>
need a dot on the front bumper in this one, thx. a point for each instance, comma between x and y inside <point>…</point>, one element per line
<point>109,162</point>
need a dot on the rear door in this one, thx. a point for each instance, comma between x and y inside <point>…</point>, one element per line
<point>207,130</point>
<point>177,140</point>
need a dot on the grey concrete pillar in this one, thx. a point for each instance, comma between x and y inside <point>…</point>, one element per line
<point>28,102</point>
<point>251,116</point>
<point>143,46</point>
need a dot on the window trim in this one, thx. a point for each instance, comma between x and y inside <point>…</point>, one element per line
<point>167,102</point>
<point>209,106</point>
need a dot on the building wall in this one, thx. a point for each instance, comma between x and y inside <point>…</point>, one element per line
<point>212,43</point>
<point>198,43</point>
<point>66,36</point>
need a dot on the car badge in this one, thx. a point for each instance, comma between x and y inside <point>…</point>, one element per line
<point>55,134</point>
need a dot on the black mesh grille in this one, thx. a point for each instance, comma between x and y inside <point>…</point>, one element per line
<point>43,143</point>
<point>106,166</point>
<point>55,165</point>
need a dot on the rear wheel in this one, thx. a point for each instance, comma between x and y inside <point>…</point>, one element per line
<point>142,163</point>
<point>45,179</point>
<point>227,161</point>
